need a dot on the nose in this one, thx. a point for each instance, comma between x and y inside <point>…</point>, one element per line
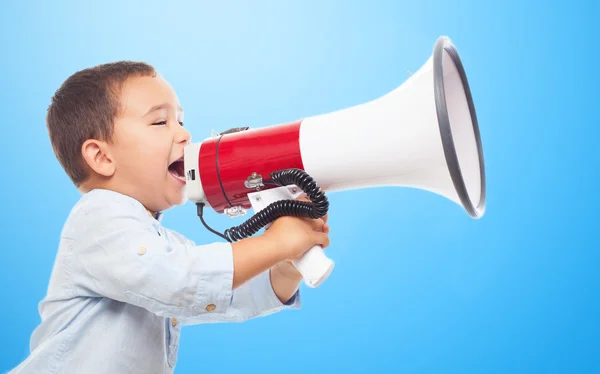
<point>183,136</point>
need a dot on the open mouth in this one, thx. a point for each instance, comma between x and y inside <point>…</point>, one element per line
<point>177,169</point>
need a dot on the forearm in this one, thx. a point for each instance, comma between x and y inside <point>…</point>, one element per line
<point>253,256</point>
<point>285,280</point>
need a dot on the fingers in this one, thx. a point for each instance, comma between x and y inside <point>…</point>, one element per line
<point>322,239</point>
<point>317,224</point>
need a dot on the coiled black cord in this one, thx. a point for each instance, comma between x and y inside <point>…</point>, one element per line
<point>316,208</point>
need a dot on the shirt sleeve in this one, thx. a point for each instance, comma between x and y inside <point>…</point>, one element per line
<point>115,253</point>
<point>255,298</point>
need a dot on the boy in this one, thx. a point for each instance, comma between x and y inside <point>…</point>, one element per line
<point>122,285</point>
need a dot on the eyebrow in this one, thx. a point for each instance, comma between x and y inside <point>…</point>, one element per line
<point>161,106</point>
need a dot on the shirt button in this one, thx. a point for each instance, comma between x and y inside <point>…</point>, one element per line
<point>142,251</point>
<point>210,307</point>
<point>173,322</point>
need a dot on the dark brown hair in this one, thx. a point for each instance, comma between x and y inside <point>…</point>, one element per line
<point>85,107</point>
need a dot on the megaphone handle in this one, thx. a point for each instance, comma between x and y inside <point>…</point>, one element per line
<point>314,266</point>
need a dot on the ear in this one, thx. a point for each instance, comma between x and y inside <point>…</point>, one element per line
<point>96,154</point>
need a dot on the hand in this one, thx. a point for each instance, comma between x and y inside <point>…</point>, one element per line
<point>296,235</point>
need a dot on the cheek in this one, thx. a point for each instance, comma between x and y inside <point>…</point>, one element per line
<point>143,158</point>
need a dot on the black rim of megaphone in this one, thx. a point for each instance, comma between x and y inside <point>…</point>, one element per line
<point>444,44</point>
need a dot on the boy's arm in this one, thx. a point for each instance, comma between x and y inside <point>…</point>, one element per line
<point>265,294</point>
<point>285,280</point>
<point>269,292</point>
<point>115,253</point>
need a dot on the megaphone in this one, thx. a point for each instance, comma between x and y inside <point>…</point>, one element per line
<point>423,134</point>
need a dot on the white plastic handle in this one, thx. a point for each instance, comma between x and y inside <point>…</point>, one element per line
<point>314,266</point>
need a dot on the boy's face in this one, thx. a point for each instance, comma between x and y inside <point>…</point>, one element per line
<point>148,141</point>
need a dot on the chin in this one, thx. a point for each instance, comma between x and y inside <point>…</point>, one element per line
<point>178,197</point>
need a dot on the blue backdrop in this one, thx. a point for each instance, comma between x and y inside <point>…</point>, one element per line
<point>419,286</point>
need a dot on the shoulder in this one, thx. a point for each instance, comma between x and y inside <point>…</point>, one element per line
<point>178,238</point>
<point>95,199</point>
<point>102,209</point>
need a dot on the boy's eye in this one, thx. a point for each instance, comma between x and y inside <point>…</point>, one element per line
<point>165,122</point>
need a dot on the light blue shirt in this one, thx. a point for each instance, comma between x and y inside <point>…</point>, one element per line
<point>123,286</point>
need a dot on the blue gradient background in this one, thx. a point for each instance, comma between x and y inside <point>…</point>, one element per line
<point>419,286</point>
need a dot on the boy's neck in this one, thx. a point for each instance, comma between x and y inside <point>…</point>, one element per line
<point>91,184</point>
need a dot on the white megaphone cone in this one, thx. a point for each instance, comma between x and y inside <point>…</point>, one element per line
<point>424,135</point>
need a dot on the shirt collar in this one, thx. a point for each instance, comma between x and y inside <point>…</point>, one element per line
<point>157,216</point>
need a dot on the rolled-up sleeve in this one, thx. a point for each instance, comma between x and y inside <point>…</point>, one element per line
<point>116,253</point>
<point>255,298</point>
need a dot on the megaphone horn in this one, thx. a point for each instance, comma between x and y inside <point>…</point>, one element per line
<point>424,134</point>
